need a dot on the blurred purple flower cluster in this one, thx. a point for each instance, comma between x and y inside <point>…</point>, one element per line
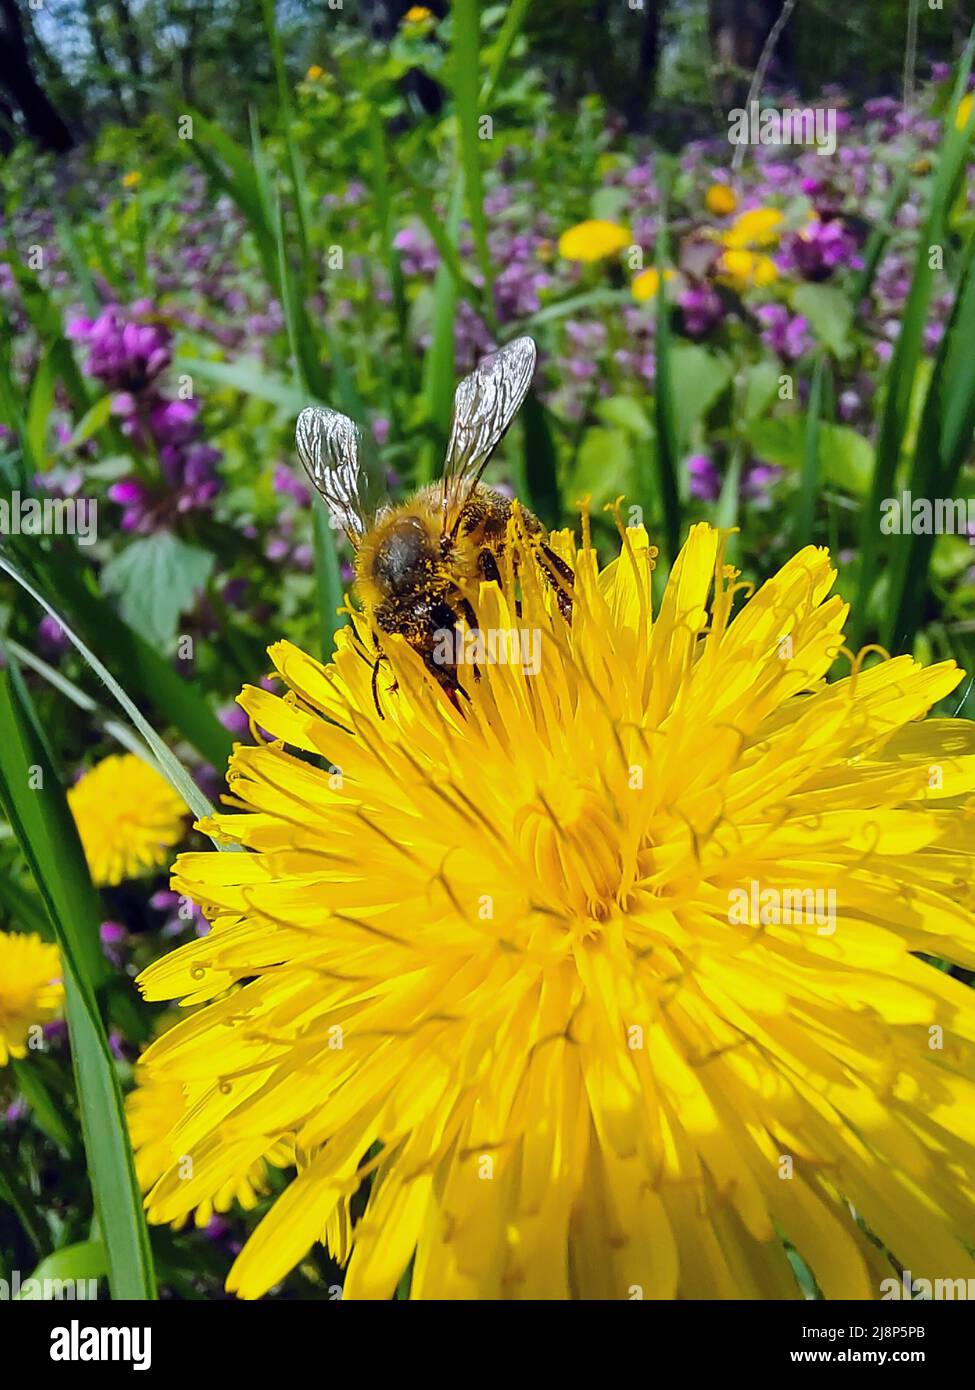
<point>128,349</point>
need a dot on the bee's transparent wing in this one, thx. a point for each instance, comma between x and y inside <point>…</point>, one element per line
<point>485,403</point>
<point>328,446</point>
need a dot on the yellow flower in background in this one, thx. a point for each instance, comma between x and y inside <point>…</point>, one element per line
<point>721,199</point>
<point>153,1111</point>
<point>30,990</point>
<point>493,961</point>
<point>755,229</point>
<point>417,14</point>
<point>593,240</point>
<point>132,179</point>
<point>964,112</point>
<point>315,73</point>
<point>744,264</point>
<point>128,817</point>
<point>647,283</point>
<point>746,270</point>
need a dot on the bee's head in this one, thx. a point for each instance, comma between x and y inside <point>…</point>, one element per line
<point>403,556</point>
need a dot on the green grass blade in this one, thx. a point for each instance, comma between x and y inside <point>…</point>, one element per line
<point>805,503</point>
<point>438,365</point>
<point>540,467</point>
<point>169,765</point>
<point>668,449</point>
<point>47,1114</point>
<point>328,578</point>
<point>879,238</point>
<point>466,86</point>
<point>514,20</point>
<point>943,443</point>
<point>38,812</point>
<point>899,383</point>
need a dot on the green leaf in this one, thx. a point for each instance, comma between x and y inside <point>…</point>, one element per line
<point>700,377</point>
<point>80,1262</point>
<point>830,315</point>
<point>628,413</point>
<point>845,457</point>
<point>605,467</point>
<point>157,579</point>
<point>38,812</point>
<point>90,424</point>
<point>39,413</point>
<point>761,384</point>
<point>608,204</point>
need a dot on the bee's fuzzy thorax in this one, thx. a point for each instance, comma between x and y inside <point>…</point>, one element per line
<point>425,508</point>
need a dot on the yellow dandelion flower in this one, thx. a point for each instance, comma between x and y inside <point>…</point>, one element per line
<point>721,199</point>
<point>417,14</point>
<point>132,179</point>
<point>964,112</point>
<point>315,73</point>
<point>570,974</point>
<point>30,990</point>
<point>647,283</point>
<point>746,270</point>
<point>128,817</point>
<point>755,229</point>
<point>593,240</point>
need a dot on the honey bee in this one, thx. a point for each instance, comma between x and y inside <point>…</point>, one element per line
<point>417,563</point>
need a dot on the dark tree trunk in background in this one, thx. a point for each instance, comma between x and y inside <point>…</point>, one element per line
<point>738,30</point>
<point>130,47</point>
<point>637,103</point>
<point>96,33</point>
<point>194,16</point>
<point>21,88</point>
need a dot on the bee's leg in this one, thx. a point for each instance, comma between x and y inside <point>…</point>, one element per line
<point>375,687</point>
<point>559,576</point>
<point>446,679</point>
<point>380,658</point>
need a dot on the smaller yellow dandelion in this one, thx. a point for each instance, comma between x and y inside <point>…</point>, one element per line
<point>132,179</point>
<point>745,270</point>
<point>315,73</point>
<point>30,990</point>
<point>593,240</point>
<point>720,199</point>
<point>647,283</point>
<point>153,1111</point>
<point>964,112</point>
<point>128,817</point>
<point>416,15</point>
<point>754,229</point>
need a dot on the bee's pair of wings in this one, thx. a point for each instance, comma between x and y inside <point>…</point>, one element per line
<point>485,403</point>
